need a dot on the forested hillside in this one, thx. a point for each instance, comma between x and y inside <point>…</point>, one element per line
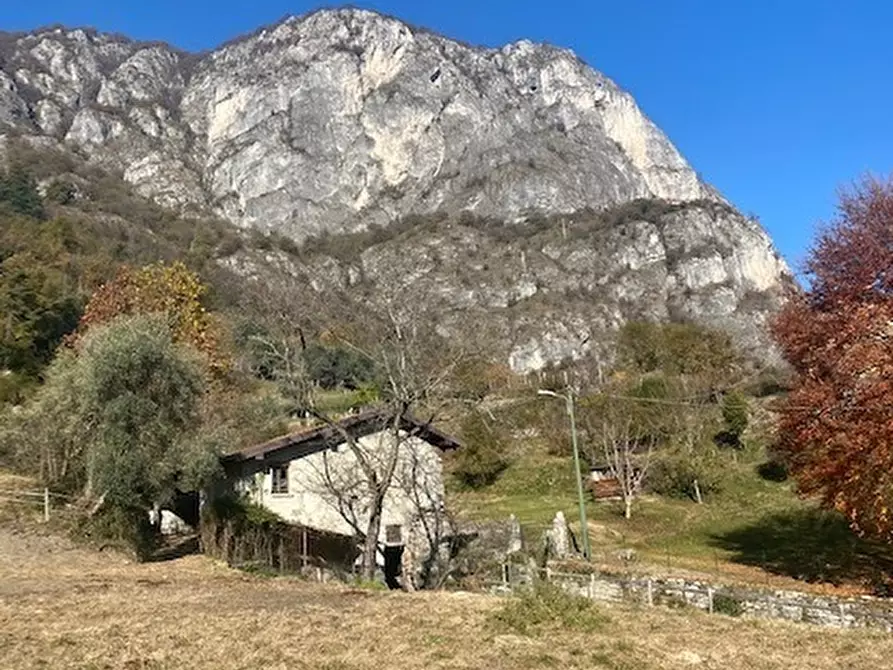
<point>65,228</point>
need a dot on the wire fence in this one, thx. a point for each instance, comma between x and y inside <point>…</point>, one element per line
<point>38,499</point>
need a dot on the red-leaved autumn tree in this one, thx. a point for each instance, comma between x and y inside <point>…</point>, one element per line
<point>836,431</point>
<point>172,290</point>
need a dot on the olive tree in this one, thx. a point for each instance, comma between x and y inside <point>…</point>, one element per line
<point>119,419</point>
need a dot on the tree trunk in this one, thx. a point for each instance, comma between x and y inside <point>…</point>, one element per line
<point>627,507</point>
<point>96,506</point>
<point>407,566</point>
<point>88,485</point>
<point>370,545</point>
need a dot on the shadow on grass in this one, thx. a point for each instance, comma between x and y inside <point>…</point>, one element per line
<point>772,471</point>
<point>175,548</point>
<point>811,545</point>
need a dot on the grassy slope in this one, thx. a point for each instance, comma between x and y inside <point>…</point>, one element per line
<point>754,530</point>
<point>63,607</point>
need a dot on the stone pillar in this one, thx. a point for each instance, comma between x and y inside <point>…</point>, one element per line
<point>515,542</point>
<point>559,537</point>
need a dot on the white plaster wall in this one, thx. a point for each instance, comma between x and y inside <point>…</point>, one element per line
<point>309,501</point>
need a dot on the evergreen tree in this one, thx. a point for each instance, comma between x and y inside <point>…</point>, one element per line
<point>18,189</point>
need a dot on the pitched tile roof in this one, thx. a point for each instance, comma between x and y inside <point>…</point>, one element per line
<point>322,437</point>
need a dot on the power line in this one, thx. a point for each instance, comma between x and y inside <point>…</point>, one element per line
<point>689,402</point>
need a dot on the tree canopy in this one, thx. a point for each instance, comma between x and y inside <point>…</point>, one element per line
<point>118,418</point>
<point>170,290</point>
<point>836,430</point>
<point>18,192</point>
<point>676,349</point>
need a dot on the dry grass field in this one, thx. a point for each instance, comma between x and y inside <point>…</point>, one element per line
<point>65,607</point>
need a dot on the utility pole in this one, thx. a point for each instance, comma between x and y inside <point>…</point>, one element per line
<point>569,405</point>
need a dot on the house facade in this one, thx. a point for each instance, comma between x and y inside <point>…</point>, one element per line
<point>314,477</point>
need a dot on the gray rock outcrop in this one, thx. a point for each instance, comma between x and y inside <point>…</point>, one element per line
<point>344,119</point>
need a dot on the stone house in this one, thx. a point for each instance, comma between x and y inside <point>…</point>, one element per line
<point>312,478</point>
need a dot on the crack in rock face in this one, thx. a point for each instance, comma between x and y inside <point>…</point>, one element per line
<point>342,120</point>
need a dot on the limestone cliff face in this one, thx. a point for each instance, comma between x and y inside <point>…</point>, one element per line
<point>555,289</point>
<point>344,119</point>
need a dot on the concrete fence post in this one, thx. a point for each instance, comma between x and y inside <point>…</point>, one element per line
<point>46,505</point>
<point>710,600</point>
<point>650,592</point>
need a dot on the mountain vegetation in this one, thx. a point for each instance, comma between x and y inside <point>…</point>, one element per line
<point>89,267</point>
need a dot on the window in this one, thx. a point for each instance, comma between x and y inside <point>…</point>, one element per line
<point>279,473</point>
<point>393,534</point>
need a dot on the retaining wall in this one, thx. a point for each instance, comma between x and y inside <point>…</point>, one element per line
<point>863,611</point>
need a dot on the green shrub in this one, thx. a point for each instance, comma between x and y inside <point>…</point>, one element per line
<point>548,606</point>
<point>551,421</point>
<point>18,190</point>
<point>15,388</point>
<point>728,605</point>
<point>120,416</point>
<point>124,528</point>
<point>674,474</point>
<point>61,191</point>
<point>773,470</point>
<point>735,415</point>
<point>245,534</point>
<point>676,349</point>
<point>484,453</point>
<point>337,367</point>
<point>39,308</point>
<point>241,512</point>
<point>368,585</point>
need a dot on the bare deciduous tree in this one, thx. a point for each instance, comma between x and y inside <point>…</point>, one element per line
<point>622,428</point>
<point>281,310</point>
<point>627,448</point>
<point>413,366</point>
<point>433,526</point>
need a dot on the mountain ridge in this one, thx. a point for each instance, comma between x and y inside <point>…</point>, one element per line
<point>343,121</point>
<point>342,37</point>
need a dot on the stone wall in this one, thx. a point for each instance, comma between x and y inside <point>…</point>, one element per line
<point>863,611</point>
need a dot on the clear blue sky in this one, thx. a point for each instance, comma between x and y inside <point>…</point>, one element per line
<point>777,103</point>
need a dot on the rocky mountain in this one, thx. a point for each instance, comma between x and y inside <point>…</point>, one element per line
<point>512,188</point>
